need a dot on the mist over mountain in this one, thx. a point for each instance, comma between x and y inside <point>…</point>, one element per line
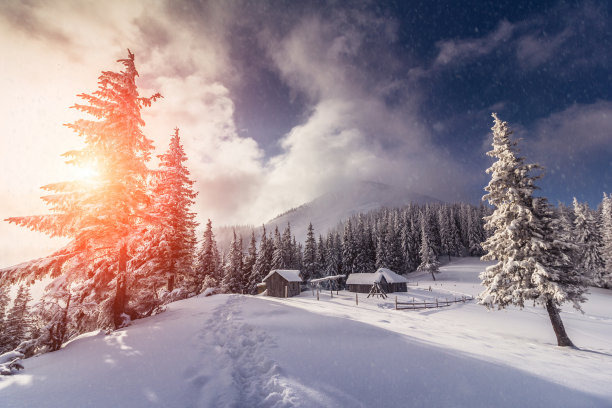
<point>329,209</point>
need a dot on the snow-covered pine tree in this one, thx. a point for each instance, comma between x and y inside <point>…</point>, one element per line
<point>531,261</point>
<point>334,250</point>
<point>475,234</point>
<point>455,236</point>
<point>395,257</point>
<point>4,303</point>
<point>173,195</point>
<point>321,262</point>
<point>382,246</point>
<point>429,259</point>
<point>249,264</point>
<point>278,258</point>
<point>263,264</point>
<point>104,215</point>
<point>446,240</point>
<point>348,248</point>
<point>362,262</point>
<point>208,263</point>
<point>588,255</point>
<point>287,248</point>
<point>310,255</point>
<point>18,324</point>
<point>232,279</point>
<point>606,233</point>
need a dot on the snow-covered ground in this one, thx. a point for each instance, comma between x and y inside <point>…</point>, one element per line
<point>244,351</point>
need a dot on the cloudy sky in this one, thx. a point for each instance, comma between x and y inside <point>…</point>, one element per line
<point>280,101</point>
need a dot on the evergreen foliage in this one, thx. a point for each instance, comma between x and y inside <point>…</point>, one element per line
<point>532,261</point>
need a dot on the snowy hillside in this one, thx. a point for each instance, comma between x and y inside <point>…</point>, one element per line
<point>245,351</point>
<point>329,209</point>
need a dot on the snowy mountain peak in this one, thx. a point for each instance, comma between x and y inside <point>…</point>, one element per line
<point>329,209</point>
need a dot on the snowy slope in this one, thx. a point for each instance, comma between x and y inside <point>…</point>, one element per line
<point>244,351</point>
<point>326,211</point>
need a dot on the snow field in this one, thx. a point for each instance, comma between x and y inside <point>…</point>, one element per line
<point>245,351</point>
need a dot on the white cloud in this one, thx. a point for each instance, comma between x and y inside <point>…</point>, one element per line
<point>458,51</point>
<point>575,132</point>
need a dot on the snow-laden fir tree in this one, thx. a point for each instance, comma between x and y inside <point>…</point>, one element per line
<point>232,279</point>
<point>4,303</point>
<point>348,248</point>
<point>288,251</point>
<point>173,197</point>
<point>103,216</point>
<point>208,264</point>
<point>249,263</point>
<point>321,262</point>
<point>334,254</point>
<point>362,261</point>
<point>532,262</point>
<point>429,259</point>
<point>606,233</point>
<point>310,255</point>
<point>278,256</point>
<point>18,324</point>
<point>263,264</point>
<point>588,254</point>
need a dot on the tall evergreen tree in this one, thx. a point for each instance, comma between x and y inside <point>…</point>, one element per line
<point>531,261</point>
<point>310,255</point>
<point>288,252</point>
<point>249,265</point>
<point>232,279</point>
<point>4,303</point>
<point>278,257</point>
<point>208,264</point>
<point>18,320</point>
<point>263,263</point>
<point>173,196</point>
<point>606,224</point>
<point>348,248</point>
<point>588,255</point>
<point>106,215</point>
<point>429,259</point>
<point>321,262</point>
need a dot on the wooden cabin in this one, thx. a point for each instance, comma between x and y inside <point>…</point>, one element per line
<point>388,280</point>
<point>279,279</point>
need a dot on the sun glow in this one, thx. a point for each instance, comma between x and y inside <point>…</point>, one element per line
<point>86,172</point>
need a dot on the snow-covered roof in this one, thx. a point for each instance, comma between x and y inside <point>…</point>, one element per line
<point>362,279</point>
<point>391,277</point>
<point>290,275</point>
<point>370,278</point>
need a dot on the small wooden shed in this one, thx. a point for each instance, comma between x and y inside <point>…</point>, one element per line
<point>388,280</point>
<point>279,279</point>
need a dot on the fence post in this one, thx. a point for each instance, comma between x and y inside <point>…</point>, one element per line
<point>396,303</point>
<point>437,302</point>
<point>356,299</point>
<point>331,293</point>
<point>286,294</point>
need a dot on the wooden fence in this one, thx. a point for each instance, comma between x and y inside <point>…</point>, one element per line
<point>430,304</point>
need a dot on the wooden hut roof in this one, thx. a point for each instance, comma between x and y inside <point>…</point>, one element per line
<point>391,277</point>
<point>290,275</point>
<point>370,278</point>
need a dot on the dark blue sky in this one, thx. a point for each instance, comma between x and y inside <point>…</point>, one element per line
<point>525,60</point>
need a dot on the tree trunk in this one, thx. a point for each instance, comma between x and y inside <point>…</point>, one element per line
<point>119,304</point>
<point>555,318</point>
<point>171,275</point>
<point>433,276</point>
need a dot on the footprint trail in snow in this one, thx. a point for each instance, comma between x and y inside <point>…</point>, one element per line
<point>248,377</point>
